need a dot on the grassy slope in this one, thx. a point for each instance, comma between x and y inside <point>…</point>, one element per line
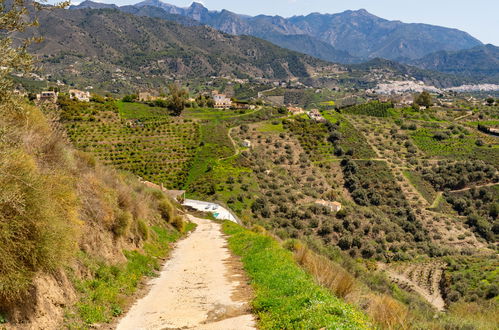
<point>286,296</point>
<point>65,210</point>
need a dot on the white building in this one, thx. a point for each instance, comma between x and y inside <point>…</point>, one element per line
<point>79,95</point>
<point>221,101</point>
<point>332,206</point>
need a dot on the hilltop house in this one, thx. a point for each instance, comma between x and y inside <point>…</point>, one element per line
<point>332,206</point>
<point>47,96</point>
<point>79,95</point>
<point>315,115</point>
<point>221,101</point>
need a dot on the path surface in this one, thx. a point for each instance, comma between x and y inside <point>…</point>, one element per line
<point>201,287</point>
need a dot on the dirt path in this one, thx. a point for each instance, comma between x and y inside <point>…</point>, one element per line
<point>237,150</point>
<point>201,287</point>
<point>476,187</point>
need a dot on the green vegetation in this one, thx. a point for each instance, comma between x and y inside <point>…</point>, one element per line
<point>459,175</point>
<point>152,145</point>
<point>424,188</point>
<point>481,206</point>
<point>286,296</point>
<point>350,138</point>
<point>313,137</point>
<point>272,126</point>
<point>374,109</point>
<point>371,183</point>
<point>436,142</point>
<point>131,110</point>
<point>102,294</point>
<point>423,99</point>
<point>472,279</point>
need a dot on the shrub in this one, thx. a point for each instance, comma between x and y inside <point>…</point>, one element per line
<point>387,312</point>
<point>38,221</point>
<point>143,229</point>
<point>166,210</point>
<point>178,223</point>
<point>121,223</point>
<point>325,272</point>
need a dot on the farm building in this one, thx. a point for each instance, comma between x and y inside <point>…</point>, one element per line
<point>332,206</point>
<point>221,101</point>
<point>79,95</point>
<point>47,96</point>
<point>296,110</point>
<point>315,115</point>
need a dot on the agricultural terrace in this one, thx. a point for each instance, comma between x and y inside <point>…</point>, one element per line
<point>456,142</point>
<point>218,172</point>
<point>141,139</point>
<point>330,140</point>
<point>390,138</point>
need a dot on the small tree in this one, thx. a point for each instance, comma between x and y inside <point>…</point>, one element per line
<point>177,100</point>
<point>424,99</point>
<point>490,101</point>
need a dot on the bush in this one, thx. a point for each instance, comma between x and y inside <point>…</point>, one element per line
<point>143,229</point>
<point>38,221</point>
<point>166,210</point>
<point>388,312</point>
<point>122,223</point>
<point>178,223</point>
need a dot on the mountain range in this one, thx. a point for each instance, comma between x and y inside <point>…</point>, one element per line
<point>120,51</point>
<point>348,37</point>
<point>121,48</point>
<point>481,62</point>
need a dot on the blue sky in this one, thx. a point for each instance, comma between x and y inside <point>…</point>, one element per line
<point>480,18</point>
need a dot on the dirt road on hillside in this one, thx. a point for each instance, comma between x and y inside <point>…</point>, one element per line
<point>201,287</point>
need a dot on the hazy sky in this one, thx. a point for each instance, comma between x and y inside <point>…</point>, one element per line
<point>480,18</point>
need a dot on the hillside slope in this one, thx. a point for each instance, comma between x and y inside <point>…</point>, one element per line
<point>481,61</point>
<point>76,237</point>
<point>113,48</point>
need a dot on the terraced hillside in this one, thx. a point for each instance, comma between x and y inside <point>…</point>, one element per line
<point>154,146</point>
<point>423,278</point>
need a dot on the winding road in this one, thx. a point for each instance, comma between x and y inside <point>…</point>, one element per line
<point>202,286</point>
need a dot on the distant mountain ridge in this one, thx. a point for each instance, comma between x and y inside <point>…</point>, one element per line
<point>480,61</point>
<point>348,37</point>
<point>118,51</point>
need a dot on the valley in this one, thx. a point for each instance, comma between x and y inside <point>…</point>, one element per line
<point>362,194</point>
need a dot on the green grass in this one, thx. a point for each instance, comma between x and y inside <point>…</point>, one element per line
<point>484,123</point>
<point>271,127</point>
<point>103,296</point>
<point>286,297</point>
<point>312,137</point>
<point>424,188</point>
<point>215,144</point>
<point>374,109</point>
<point>129,110</point>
